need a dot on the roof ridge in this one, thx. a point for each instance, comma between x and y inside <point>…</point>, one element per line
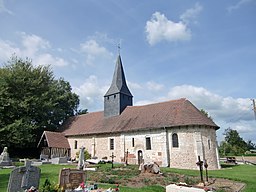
<point>161,102</point>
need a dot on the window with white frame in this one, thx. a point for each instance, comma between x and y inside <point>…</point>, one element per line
<point>148,143</point>
<point>111,144</point>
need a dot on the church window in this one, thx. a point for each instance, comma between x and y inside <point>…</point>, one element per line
<point>132,142</point>
<point>108,97</point>
<point>148,143</point>
<point>175,140</point>
<point>75,144</point>
<point>209,143</point>
<point>111,144</point>
<point>114,96</point>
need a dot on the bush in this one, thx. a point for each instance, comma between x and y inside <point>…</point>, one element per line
<point>87,155</point>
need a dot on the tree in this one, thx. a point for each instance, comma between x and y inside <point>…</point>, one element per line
<point>82,111</point>
<point>233,144</point>
<point>251,145</point>
<point>206,114</point>
<point>31,101</point>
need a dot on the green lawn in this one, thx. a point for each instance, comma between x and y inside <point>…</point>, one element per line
<point>242,173</point>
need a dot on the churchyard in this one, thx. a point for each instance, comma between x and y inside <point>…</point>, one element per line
<point>130,178</point>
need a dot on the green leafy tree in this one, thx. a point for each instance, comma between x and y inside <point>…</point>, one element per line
<point>251,145</point>
<point>82,111</point>
<point>206,114</point>
<point>31,101</point>
<point>233,144</point>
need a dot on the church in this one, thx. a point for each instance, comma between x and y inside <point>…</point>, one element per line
<point>172,133</point>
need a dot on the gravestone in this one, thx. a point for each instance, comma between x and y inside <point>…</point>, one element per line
<point>24,177</point>
<point>71,178</point>
<point>81,159</point>
<point>4,158</point>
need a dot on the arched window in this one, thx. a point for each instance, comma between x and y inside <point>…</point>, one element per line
<point>175,140</point>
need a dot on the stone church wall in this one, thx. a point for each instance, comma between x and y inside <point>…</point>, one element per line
<point>193,142</point>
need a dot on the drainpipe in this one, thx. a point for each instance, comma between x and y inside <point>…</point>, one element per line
<point>167,147</point>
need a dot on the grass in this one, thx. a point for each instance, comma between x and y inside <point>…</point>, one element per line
<point>241,173</point>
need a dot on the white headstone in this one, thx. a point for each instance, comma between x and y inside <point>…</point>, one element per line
<point>4,158</point>
<point>81,159</point>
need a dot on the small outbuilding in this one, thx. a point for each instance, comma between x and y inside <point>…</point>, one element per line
<point>53,144</point>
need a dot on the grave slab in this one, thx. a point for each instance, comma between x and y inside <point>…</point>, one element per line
<point>177,188</point>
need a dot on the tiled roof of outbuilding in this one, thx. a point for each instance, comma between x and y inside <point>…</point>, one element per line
<point>55,139</point>
<point>173,113</point>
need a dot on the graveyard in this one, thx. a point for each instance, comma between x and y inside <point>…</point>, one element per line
<point>128,177</point>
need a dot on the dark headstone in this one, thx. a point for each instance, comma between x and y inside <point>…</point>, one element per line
<point>71,178</point>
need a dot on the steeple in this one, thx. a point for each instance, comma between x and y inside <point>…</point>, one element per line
<point>118,95</point>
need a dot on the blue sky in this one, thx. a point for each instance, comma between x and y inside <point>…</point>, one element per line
<point>204,51</point>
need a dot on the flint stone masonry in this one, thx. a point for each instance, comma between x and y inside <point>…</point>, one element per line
<point>24,177</point>
<point>193,141</point>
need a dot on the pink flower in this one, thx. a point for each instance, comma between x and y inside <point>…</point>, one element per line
<point>82,185</point>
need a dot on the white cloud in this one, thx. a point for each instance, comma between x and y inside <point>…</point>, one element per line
<point>47,59</point>
<point>159,28</point>
<point>225,108</point>
<point>33,47</point>
<point>93,50</point>
<point>7,49</point>
<point>91,93</point>
<point>133,85</point>
<point>33,44</point>
<point>153,86</point>
<point>3,9</point>
<point>239,4</point>
<point>191,14</point>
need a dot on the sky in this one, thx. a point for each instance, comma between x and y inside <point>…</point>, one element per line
<point>204,51</point>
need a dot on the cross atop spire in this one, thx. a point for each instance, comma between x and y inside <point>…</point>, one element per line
<point>119,47</point>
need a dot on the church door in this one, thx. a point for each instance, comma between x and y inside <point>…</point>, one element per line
<point>140,157</point>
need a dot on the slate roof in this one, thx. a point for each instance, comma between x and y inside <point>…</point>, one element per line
<point>172,113</point>
<point>55,139</point>
<point>118,84</point>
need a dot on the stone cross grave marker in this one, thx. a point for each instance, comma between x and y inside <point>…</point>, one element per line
<point>80,164</point>
<point>71,178</point>
<point>24,177</point>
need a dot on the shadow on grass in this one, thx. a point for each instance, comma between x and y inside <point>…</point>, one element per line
<point>228,165</point>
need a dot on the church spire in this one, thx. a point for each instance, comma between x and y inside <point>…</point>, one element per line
<point>118,95</point>
<point>118,82</point>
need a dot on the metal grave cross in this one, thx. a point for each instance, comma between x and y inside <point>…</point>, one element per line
<point>126,157</point>
<point>112,156</point>
<point>200,164</point>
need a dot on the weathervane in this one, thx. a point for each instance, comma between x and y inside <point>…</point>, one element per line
<point>119,47</point>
